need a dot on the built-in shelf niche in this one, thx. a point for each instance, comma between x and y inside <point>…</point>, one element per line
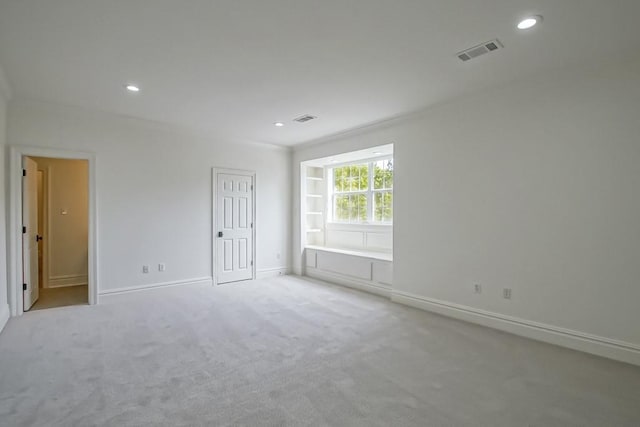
<point>314,205</point>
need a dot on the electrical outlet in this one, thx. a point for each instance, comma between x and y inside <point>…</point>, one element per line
<point>161,266</point>
<point>506,293</point>
<point>477,288</point>
<point>145,269</point>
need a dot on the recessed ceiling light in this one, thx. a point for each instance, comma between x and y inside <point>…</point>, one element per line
<point>132,88</point>
<point>529,22</point>
<point>278,124</point>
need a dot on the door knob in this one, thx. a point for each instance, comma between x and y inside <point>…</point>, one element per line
<point>219,233</point>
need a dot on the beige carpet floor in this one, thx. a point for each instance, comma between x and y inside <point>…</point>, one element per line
<point>292,352</point>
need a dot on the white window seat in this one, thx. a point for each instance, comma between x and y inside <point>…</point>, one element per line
<point>383,256</point>
<point>367,271</point>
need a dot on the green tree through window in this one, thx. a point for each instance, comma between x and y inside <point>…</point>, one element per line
<point>383,191</point>
<point>353,194</point>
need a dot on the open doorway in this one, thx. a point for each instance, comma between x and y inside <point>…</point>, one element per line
<point>55,206</point>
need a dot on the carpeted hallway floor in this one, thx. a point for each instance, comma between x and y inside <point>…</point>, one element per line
<point>291,352</point>
<point>61,297</point>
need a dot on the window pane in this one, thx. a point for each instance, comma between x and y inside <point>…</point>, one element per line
<point>358,177</point>
<point>383,206</point>
<point>351,192</point>
<point>383,174</point>
<point>353,208</point>
<point>348,179</point>
<point>338,179</point>
<point>350,208</point>
<point>341,208</point>
<point>364,177</point>
<point>362,208</point>
<point>351,178</point>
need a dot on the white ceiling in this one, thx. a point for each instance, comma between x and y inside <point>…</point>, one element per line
<point>233,67</point>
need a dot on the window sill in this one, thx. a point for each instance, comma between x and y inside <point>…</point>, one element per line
<point>360,227</point>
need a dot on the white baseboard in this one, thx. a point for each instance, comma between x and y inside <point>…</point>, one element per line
<point>371,287</point>
<point>67,280</point>
<point>67,285</point>
<point>150,286</point>
<point>594,344</point>
<point>271,272</point>
<point>4,315</point>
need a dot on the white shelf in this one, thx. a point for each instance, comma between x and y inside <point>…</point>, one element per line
<point>314,213</point>
<point>315,178</point>
<point>314,230</point>
<point>314,195</point>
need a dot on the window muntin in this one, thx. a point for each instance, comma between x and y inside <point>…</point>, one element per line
<point>362,193</point>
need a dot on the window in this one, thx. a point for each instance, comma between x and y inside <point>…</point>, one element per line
<point>362,193</point>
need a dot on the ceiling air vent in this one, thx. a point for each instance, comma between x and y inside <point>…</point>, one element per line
<point>305,118</point>
<point>481,49</point>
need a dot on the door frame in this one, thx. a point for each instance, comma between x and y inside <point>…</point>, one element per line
<point>14,266</point>
<point>214,192</point>
<point>46,220</point>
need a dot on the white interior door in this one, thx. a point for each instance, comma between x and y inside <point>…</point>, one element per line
<point>234,227</point>
<point>30,232</point>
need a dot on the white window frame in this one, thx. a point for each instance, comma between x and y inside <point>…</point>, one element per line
<point>369,192</point>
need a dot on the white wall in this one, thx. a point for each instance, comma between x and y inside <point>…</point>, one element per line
<point>376,238</point>
<point>66,236</point>
<point>154,191</point>
<point>4,98</point>
<point>532,186</point>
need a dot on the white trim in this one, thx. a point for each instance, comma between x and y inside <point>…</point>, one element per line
<point>67,280</point>
<point>271,272</point>
<point>214,189</point>
<point>588,343</point>
<point>14,265</point>
<point>350,282</point>
<point>46,247</point>
<point>151,286</point>
<point>4,315</point>
<point>371,159</point>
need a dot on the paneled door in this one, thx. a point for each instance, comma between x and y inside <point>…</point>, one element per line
<point>234,227</point>
<point>30,236</point>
